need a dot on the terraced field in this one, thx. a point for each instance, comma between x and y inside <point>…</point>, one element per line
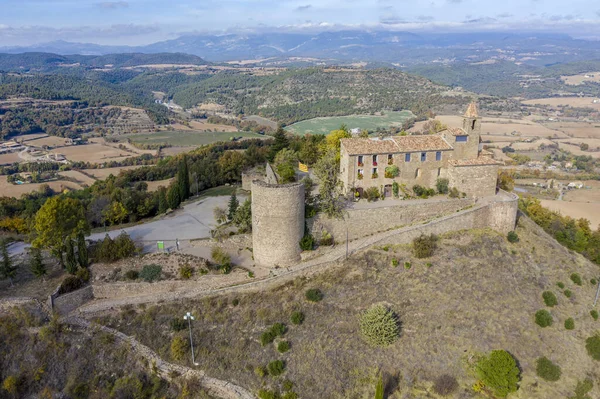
<point>368,122</point>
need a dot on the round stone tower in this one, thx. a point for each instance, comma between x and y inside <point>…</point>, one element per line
<point>277,223</point>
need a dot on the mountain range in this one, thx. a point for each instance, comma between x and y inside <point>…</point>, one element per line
<point>404,48</point>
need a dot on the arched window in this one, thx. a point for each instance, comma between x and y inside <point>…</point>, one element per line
<point>473,125</point>
<point>417,173</point>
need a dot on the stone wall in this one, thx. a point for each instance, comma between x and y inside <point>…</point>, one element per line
<point>136,289</point>
<point>250,175</point>
<point>364,222</point>
<point>271,177</point>
<point>277,223</point>
<point>476,180</point>
<point>66,303</point>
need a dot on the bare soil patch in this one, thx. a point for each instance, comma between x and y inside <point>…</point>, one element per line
<point>6,159</point>
<point>78,177</point>
<point>576,210</point>
<point>16,190</point>
<point>580,102</point>
<point>154,185</point>
<point>103,173</point>
<point>93,153</point>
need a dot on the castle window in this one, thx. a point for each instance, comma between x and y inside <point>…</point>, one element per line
<point>360,160</point>
<point>360,174</point>
<point>390,159</point>
<point>423,156</point>
<point>417,173</point>
<point>461,139</point>
<point>438,156</point>
<point>407,157</point>
<point>473,125</point>
<point>374,160</point>
<point>374,175</point>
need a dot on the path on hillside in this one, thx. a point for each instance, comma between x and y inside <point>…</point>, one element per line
<point>213,386</point>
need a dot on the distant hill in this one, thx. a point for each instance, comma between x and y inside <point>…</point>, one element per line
<point>50,62</point>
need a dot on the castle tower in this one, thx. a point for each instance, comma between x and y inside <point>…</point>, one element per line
<point>472,127</point>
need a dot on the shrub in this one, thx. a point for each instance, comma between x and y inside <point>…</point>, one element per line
<point>372,194</point>
<point>276,367</point>
<point>314,295</point>
<point>499,372</point>
<point>454,193</point>
<point>561,285</point>
<point>568,293</point>
<point>326,239</point>
<point>235,302</point>
<point>70,284</point>
<point>424,246</point>
<point>392,171</point>
<point>151,273</point>
<point>407,265</point>
<point>379,326</point>
<point>592,344</point>
<point>287,385</point>
<point>512,237</point>
<point>178,348</point>
<point>221,258</point>
<point>83,273</point>
<point>267,337</point>
<point>547,370</point>
<point>297,318</point>
<point>10,385</point>
<point>178,324</point>
<point>279,329</point>
<point>570,324</point>
<point>594,314</point>
<point>395,262</point>
<point>132,274</point>
<point>543,318</point>
<point>260,371</point>
<point>266,394</point>
<point>582,389</point>
<point>445,385</point>
<point>283,346</point>
<point>442,185</point>
<point>125,246</point>
<point>307,243</point>
<point>186,272</point>
<point>576,278</point>
<point>549,299</point>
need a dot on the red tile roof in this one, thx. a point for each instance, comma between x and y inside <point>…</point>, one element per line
<point>472,111</point>
<point>395,144</point>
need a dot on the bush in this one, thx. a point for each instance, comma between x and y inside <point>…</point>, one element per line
<point>186,272</point>
<point>132,274</point>
<point>297,318</point>
<point>543,318</point>
<point>307,243</point>
<point>179,347</point>
<point>379,326</point>
<point>445,385</point>
<point>178,324</point>
<point>283,346</point>
<point>314,295</point>
<point>568,293</point>
<point>576,278</point>
<point>260,371</point>
<point>83,273</point>
<point>266,394</point>
<point>372,194</point>
<point>549,299</point>
<point>594,314</point>
<point>512,237</point>
<point>593,281</point>
<point>395,262</point>
<point>570,324</point>
<point>582,389</point>
<point>454,193</point>
<point>407,265</point>
<point>547,370</point>
<point>499,373</point>
<point>267,337</point>
<point>326,239</point>
<point>423,192</point>
<point>70,284</point>
<point>151,273</point>
<point>222,259</point>
<point>279,329</point>
<point>592,344</point>
<point>561,285</point>
<point>424,246</point>
<point>276,367</point>
<point>442,185</point>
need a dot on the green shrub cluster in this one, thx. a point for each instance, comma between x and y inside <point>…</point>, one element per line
<point>276,330</point>
<point>576,278</point>
<point>314,295</point>
<point>594,314</point>
<point>110,250</point>
<point>307,243</point>
<point>549,299</point>
<point>592,344</point>
<point>283,346</point>
<point>582,389</point>
<point>297,318</point>
<point>379,326</point>
<point>151,273</point>
<point>424,246</point>
<point>423,192</point>
<point>178,324</point>
<point>570,324</point>
<point>186,272</point>
<point>276,368</point>
<point>512,237</point>
<point>561,285</point>
<point>395,262</point>
<point>132,274</point>
<point>547,370</point>
<point>499,373</point>
<point>543,318</point>
<point>442,185</point>
<point>568,293</point>
<point>222,259</point>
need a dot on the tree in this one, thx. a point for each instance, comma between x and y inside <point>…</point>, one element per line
<point>37,263</point>
<point>499,372</point>
<point>232,207</point>
<point>243,217</point>
<point>183,179</point>
<point>82,251</point>
<point>332,140</point>
<point>116,213</point>
<point>7,269</point>
<point>173,196</point>
<point>281,142</point>
<point>59,219</point>
<point>71,261</point>
<point>506,180</point>
<point>326,169</point>
<point>163,204</point>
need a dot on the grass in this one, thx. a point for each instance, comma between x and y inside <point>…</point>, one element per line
<point>368,122</point>
<point>186,139</point>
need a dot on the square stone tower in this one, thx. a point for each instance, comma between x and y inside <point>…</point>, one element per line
<point>472,128</point>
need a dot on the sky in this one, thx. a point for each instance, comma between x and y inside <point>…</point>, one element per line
<point>137,22</point>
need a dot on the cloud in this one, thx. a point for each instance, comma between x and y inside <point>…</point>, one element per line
<point>455,1</point>
<point>425,18</point>
<point>303,8</point>
<point>505,15</point>
<point>112,5</point>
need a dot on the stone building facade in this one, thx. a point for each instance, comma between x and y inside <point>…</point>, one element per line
<point>453,154</point>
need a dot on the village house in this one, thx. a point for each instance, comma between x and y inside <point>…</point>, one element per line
<point>454,154</point>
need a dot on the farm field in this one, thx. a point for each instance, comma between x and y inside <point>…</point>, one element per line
<point>78,176</point>
<point>575,150</point>
<point>370,122</point>
<point>201,125</point>
<point>103,173</point>
<point>14,190</point>
<point>577,129</point>
<point>581,102</point>
<point>93,153</point>
<point>154,185</point>
<point>577,210</point>
<point>186,138</point>
<point>9,158</point>
<point>52,141</point>
<point>576,80</point>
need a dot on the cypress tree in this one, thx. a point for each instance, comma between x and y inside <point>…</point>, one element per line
<point>71,261</point>
<point>7,269</point>
<point>163,204</point>
<point>183,179</point>
<point>37,263</point>
<point>173,196</point>
<point>82,251</point>
<point>233,206</point>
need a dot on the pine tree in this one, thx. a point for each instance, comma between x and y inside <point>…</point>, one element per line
<point>82,251</point>
<point>71,261</point>
<point>233,206</point>
<point>281,142</point>
<point>173,196</point>
<point>37,263</point>
<point>183,179</point>
<point>7,269</point>
<point>163,204</point>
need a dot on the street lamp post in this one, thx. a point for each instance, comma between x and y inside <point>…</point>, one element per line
<point>188,316</point>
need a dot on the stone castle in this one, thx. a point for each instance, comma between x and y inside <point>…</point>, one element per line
<point>453,153</point>
<point>278,219</point>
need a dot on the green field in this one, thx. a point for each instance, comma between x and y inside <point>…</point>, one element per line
<point>186,139</point>
<point>368,122</point>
